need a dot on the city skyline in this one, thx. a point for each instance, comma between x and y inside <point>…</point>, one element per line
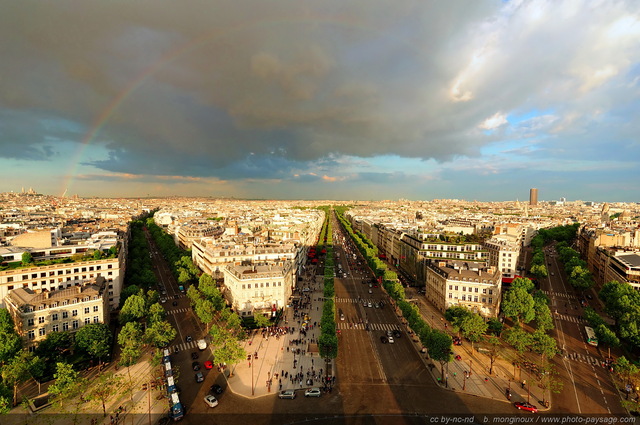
<point>335,100</point>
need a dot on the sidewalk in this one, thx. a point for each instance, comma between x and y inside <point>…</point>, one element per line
<point>480,383</point>
<point>287,357</point>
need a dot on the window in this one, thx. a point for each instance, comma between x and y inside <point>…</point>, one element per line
<point>475,298</point>
<point>65,302</point>
<point>450,287</point>
<point>95,308</point>
<point>86,310</point>
<point>30,322</point>
<point>490,300</point>
<point>74,324</point>
<point>450,295</point>
<point>42,331</point>
<point>87,320</point>
<point>267,284</point>
<point>456,287</point>
<point>31,334</point>
<point>96,319</point>
<point>74,312</point>
<point>484,290</point>
<point>464,298</point>
<point>464,289</point>
<point>248,286</point>
<point>41,319</point>
<point>65,326</point>
<point>484,300</point>
<point>55,328</point>
<point>54,316</point>
<point>490,291</point>
<point>65,314</point>
<point>476,290</point>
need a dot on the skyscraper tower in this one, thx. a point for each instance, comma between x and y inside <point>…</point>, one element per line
<point>533,196</point>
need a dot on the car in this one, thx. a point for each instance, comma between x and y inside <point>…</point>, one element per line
<point>389,333</point>
<point>216,389</point>
<point>175,303</point>
<point>195,366</point>
<point>370,285</point>
<point>370,291</point>
<point>384,339</point>
<point>391,341</point>
<point>188,338</point>
<point>194,356</point>
<point>525,406</point>
<point>313,392</point>
<point>163,300</point>
<point>397,333</point>
<point>208,364</point>
<point>369,305</point>
<point>199,377</point>
<point>210,400</point>
<point>290,394</point>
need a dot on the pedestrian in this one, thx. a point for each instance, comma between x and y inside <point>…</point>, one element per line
<point>524,382</point>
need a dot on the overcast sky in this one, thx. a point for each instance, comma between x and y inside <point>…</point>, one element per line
<point>322,99</point>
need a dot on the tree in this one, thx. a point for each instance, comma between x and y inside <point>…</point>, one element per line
<point>10,341</point>
<point>205,311</point>
<point>524,283</point>
<point>95,340</point>
<point>494,344</point>
<point>606,336</point>
<point>22,367</point>
<point>97,254</point>
<point>439,348</point>
<point>156,313</point>
<point>261,320</point>
<point>518,305</point>
<point>130,340</point>
<point>473,327</point>
<point>625,369</point>
<point>55,348</point>
<point>544,345</point>
<point>544,319</point>
<point>104,388</point>
<point>159,334</point>
<point>27,258</point>
<point>539,270</point>
<point>69,386</point>
<point>519,339</point>
<point>495,327</point>
<point>134,308</point>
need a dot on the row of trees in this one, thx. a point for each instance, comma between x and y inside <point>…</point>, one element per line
<point>328,340</point>
<point>622,303</point>
<point>179,260</point>
<point>223,325</point>
<point>576,269</point>
<point>139,273</point>
<point>19,366</point>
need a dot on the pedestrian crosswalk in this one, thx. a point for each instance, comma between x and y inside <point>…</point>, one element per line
<point>584,359</point>
<point>560,295</point>
<point>178,310</point>
<point>356,300</point>
<point>183,346</point>
<point>572,319</point>
<point>372,326</point>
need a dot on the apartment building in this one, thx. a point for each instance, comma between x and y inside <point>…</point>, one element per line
<point>261,288</point>
<point>36,314</point>
<point>194,231</point>
<point>62,275</point>
<point>504,252</point>
<point>451,283</point>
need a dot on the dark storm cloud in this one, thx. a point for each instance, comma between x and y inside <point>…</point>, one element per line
<point>254,89</point>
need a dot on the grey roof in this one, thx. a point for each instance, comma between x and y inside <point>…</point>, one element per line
<point>631,259</point>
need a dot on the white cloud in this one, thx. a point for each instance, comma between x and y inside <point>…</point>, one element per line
<point>498,119</point>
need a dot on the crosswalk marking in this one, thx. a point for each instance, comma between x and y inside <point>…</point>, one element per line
<point>356,300</point>
<point>372,326</point>
<point>572,319</point>
<point>178,310</point>
<point>582,358</point>
<point>182,346</point>
<point>560,294</point>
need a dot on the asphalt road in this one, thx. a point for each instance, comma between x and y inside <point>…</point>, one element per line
<point>588,387</point>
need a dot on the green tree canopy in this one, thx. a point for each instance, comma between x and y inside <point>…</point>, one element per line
<point>27,258</point>
<point>134,308</point>
<point>94,339</point>
<point>523,282</point>
<point>518,305</point>
<point>159,334</point>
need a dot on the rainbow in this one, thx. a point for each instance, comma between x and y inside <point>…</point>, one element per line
<point>103,117</point>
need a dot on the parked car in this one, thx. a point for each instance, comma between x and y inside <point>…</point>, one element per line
<point>525,406</point>
<point>369,305</point>
<point>199,377</point>
<point>397,333</point>
<point>313,392</point>
<point>208,364</point>
<point>189,338</point>
<point>210,400</point>
<point>391,341</point>
<point>291,394</point>
<point>216,389</point>
<point>384,339</point>
<point>195,366</point>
